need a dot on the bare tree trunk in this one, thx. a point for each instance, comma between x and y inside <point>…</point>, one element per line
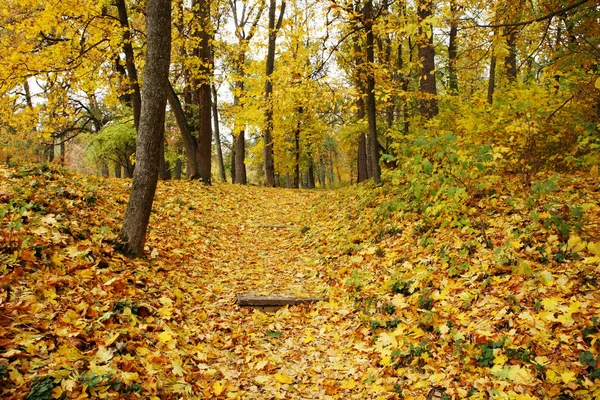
<point>241,20</point>
<point>268,130</point>
<point>117,170</point>
<point>511,59</point>
<point>427,82</point>
<point>204,148</point>
<point>372,148</point>
<point>452,49</point>
<point>297,150</point>
<point>163,166</point>
<point>492,80</point>
<point>215,110</point>
<point>189,142</point>
<point>154,98</point>
<point>136,99</point>
<point>361,159</point>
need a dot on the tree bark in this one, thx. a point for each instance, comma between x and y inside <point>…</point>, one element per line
<point>361,159</point>
<point>269,163</point>
<point>511,59</point>
<point>492,79</point>
<point>240,20</point>
<point>297,150</point>
<point>189,141</point>
<point>220,161</point>
<point>427,82</point>
<point>372,147</point>
<point>154,98</point>
<point>203,150</point>
<point>452,49</point>
<point>136,99</point>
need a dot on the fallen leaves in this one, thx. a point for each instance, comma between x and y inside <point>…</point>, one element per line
<point>411,307</point>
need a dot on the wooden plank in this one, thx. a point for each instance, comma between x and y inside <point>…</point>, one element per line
<point>250,300</point>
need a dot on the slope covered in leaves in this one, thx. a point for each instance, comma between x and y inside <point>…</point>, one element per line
<point>482,293</point>
<point>484,290</point>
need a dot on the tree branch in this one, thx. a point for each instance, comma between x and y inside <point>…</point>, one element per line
<point>531,21</point>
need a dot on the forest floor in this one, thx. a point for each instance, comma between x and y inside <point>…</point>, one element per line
<point>411,309</point>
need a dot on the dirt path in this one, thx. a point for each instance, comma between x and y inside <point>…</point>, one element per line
<point>300,352</point>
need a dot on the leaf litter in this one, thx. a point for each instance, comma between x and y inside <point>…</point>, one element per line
<point>411,308</point>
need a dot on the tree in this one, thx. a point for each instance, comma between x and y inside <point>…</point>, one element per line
<point>150,134</point>
<point>269,164</point>
<point>427,82</point>
<point>241,19</point>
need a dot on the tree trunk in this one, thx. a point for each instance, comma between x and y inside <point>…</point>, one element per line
<point>241,20</point>
<point>427,82</point>
<point>452,49</point>
<point>215,110</point>
<point>163,167</point>
<point>300,110</point>
<point>189,142</point>
<point>511,59</point>
<point>136,99</point>
<point>269,163</point>
<point>117,170</point>
<point>203,150</point>
<point>154,98</point>
<point>372,147</point>
<point>492,79</point>
<point>361,159</point>
<point>311,173</point>
<point>178,168</point>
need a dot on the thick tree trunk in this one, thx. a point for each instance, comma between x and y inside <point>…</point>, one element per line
<point>203,150</point>
<point>361,159</point>
<point>154,98</point>
<point>136,99</point>
<point>269,163</point>
<point>117,170</point>
<point>372,148</point>
<point>178,168</point>
<point>215,110</point>
<point>511,59</point>
<point>427,82</point>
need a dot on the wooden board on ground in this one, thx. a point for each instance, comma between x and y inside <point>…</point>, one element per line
<point>274,302</point>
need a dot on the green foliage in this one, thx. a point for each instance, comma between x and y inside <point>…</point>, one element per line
<point>486,352</point>
<point>41,389</point>
<point>273,334</point>
<point>115,143</point>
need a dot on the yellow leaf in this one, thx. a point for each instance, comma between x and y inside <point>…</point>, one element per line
<point>177,368</point>
<point>262,379</point>
<point>218,387</point>
<point>500,359</point>
<point>550,303</point>
<point>308,338</point>
<point>260,365</point>
<point>283,378</point>
<point>568,376</point>
<point>594,248</point>
<point>103,354</point>
<point>597,84</point>
<point>348,384</point>
<point>165,337</point>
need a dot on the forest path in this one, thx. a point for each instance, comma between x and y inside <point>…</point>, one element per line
<point>250,240</point>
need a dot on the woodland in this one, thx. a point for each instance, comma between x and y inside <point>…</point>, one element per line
<point>429,170</point>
